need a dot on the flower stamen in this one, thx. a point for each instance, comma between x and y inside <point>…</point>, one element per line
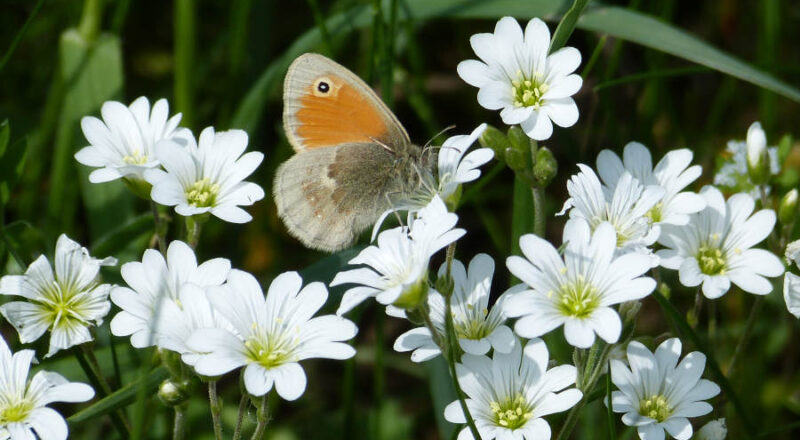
<point>656,407</point>
<point>529,92</point>
<point>203,193</point>
<point>511,413</point>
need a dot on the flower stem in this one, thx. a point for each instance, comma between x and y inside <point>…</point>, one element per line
<point>243,404</point>
<point>158,226</point>
<point>262,417</point>
<point>179,423</point>
<point>748,332</point>
<point>588,379</point>
<point>193,228</point>
<point>88,363</point>
<point>451,349</point>
<point>694,314</point>
<point>539,217</point>
<point>215,403</point>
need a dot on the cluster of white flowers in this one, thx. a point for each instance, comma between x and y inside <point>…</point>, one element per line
<point>161,161</point>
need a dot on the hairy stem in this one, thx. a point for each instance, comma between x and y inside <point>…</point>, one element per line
<point>244,402</point>
<point>262,418</point>
<point>215,404</point>
<point>179,422</point>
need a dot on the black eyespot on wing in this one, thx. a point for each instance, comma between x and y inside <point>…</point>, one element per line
<point>323,87</point>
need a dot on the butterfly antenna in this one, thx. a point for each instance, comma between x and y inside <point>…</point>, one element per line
<point>394,208</point>
<point>443,131</point>
<point>384,146</point>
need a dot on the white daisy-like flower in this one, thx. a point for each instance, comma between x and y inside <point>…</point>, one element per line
<point>509,394</point>
<point>517,75</point>
<point>657,393</point>
<point>24,414</point>
<point>454,168</point>
<point>207,176</point>
<point>625,206</point>
<point>478,328</point>
<point>716,247</point>
<point>579,290</point>
<point>66,302</point>
<point>672,173</point>
<point>153,284</point>
<point>713,430</point>
<point>123,143</point>
<point>272,335</point>
<point>397,269</point>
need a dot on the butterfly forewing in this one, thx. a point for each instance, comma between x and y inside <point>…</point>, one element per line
<point>326,105</point>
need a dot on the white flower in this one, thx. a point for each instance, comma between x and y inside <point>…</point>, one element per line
<point>625,206</point>
<point>757,156</point>
<point>207,176</point>
<point>672,173</point>
<point>67,303</point>
<point>713,430</point>
<point>24,414</point>
<point>793,252</point>
<point>657,393</point>
<point>398,265</point>
<point>155,282</point>
<point>716,247</point>
<point>791,293</point>
<point>478,328</point>
<point>509,395</point>
<point>454,169</point>
<point>579,290</point>
<point>517,75</point>
<point>271,334</point>
<point>122,144</point>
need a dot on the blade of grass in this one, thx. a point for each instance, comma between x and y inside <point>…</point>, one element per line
<point>567,25</point>
<point>676,317</point>
<point>185,37</point>
<point>21,33</point>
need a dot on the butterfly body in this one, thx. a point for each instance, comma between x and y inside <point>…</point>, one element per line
<point>353,156</point>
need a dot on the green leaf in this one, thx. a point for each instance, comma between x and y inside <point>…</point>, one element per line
<point>120,398</point>
<point>617,22</point>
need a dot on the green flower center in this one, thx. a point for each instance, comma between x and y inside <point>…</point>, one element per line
<point>654,214</point>
<point>63,306</point>
<point>711,260</point>
<point>203,193</point>
<point>655,407</point>
<point>511,413</point>
<point>135,158</point>
<point>272,349</point>
<point>467,328</point>
<point>528,92</point>
<point>15,412</point>
<point>578,298</point>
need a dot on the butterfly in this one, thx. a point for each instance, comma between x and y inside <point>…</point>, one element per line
<point>353,158</point>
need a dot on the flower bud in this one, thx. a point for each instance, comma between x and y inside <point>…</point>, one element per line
<point>788,208</point>
<point>519,140</point>
<point>173,393</point>
<point>757,155</point>
<point>496,140</point>
<point>713,430</point>
<point>545,168</point>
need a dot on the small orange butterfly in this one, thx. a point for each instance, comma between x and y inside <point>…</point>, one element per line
<point>353,155</point>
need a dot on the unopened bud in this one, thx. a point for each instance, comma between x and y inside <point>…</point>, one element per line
<point>445,285</point>
<point>757,156</point>
<point>545,168</point>
<point>173,393</point>
<point>788,208</point>
<point>713,430</point>
<point>496,140</point>
<point>519,140</point>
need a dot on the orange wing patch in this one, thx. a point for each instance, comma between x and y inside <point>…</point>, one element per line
<point>333,113</point>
